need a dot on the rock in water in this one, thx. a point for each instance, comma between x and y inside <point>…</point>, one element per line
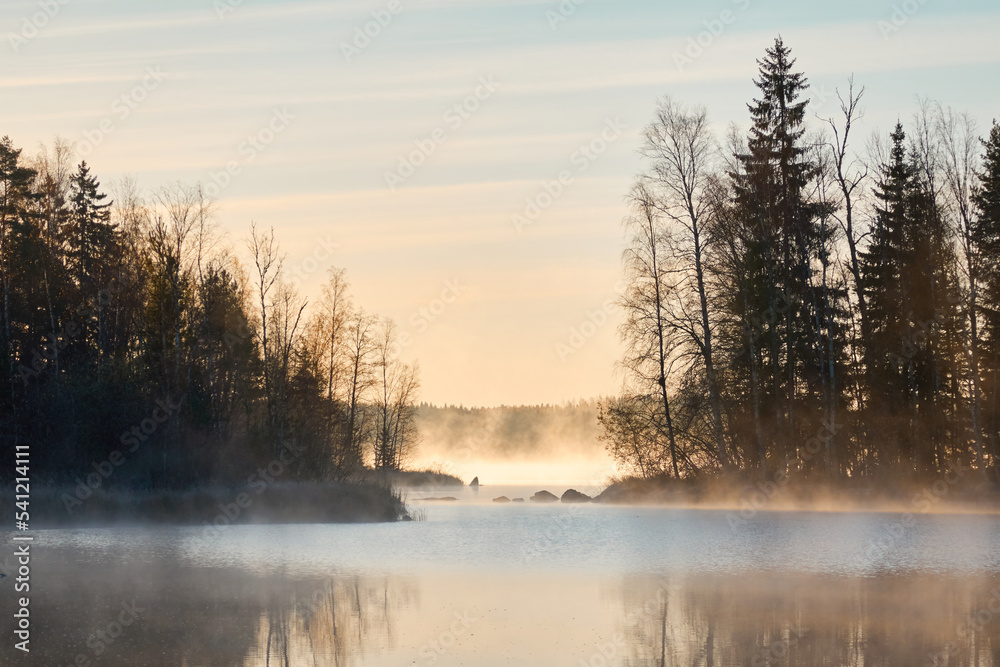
<point>517,500</point>
<point>501,499</point>
<point>474,482</point>
<point>574,496</point>
<point>544,497</point>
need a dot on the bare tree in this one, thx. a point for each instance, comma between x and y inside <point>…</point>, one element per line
<point>267,262</point>
<point>850,175</point>
<point>397,384</point>
<point>959,144</point>
<point>361,346</point>
<point>333,317</point>
<point>683,155</point>
<point>651,342</point>
<point>287,308</point>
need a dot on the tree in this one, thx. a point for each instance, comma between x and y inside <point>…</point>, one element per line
<point>908,274</point>
<point>956,136</point>
<point>92,250</point>
<point>986,242</point>
<point>361,346</point>
<point>394,403</point>
<point>18,254</point>
<point>681,150</point>
<point>650,341</point>
<point>783,241</point>
<point>849,178</point>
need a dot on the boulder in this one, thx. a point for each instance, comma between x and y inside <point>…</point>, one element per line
<point>574,496</point>
<point>517,500</point>
<point>501,499</point>
<point>544,497</point>
<point>474,482</point>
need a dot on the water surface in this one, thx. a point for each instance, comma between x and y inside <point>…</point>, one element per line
<point>479,583</point>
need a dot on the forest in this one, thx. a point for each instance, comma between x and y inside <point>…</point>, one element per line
<point>137,345</point>
<point>800,301</point>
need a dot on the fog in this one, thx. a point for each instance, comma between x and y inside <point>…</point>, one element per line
<point>514,444</point>
<point>109,610</point>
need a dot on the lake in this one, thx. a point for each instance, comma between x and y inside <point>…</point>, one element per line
<point>485,584</point>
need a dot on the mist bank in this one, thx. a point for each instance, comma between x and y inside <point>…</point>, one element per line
<point>514,444</point>
<point>958,489</point>
<point>521,431</point>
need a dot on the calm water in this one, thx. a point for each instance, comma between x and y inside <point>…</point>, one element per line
<point>477,583</point>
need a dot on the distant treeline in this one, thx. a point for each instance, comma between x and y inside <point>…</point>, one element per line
<point>794,306</point>
<point>137,347</point>
<point>508,432</point>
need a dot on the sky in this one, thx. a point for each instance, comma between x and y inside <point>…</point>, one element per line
<point>465,162</point>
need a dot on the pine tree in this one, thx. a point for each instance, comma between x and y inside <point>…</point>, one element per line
<point>19,255</point>
<point>92,243</point>
<point>986,237</point>
<point>908,272</point>
<point>783,241</point>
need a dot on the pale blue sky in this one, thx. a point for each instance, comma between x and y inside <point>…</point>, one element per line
<point>324,175</point>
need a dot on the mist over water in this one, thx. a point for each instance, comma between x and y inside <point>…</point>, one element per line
<point>486,584</point>
<point>515,445</point>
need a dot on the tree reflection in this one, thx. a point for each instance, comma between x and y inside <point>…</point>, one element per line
<point>204,617</point>
<point>336,621</point>
<point>769,620</point>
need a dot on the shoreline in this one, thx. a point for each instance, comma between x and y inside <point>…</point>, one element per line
<point>361,501</point>
<point>941,495</point>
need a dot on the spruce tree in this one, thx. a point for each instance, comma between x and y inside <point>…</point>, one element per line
<point>90,234</point>
<point>92,253</point>
<point>986,236</point>
<point>783,241</point>
<point>908,274</point>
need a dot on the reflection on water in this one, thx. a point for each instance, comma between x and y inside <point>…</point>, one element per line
<point>603,586</point>
<point>333,622</point>
<point>908,621</point>
<point>163,613</point>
